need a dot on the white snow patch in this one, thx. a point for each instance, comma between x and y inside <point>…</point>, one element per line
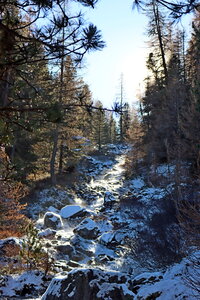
<point>70,210</point>
<point>87,223</point>
<point>16,282</point>
<point>46,232</point>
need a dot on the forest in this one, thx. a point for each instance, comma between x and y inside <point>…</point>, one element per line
<point>98,202</point>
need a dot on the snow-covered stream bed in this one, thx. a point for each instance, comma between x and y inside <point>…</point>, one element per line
<point>106,238</point>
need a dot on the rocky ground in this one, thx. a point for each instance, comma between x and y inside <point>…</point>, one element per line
<point>105,237</point>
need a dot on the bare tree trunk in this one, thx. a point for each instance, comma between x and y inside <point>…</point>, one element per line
<point>56,131</point>
<point>60,168</point>
<point>160,39</point>
<point>121,109</point>
<point>4,89</point>
<point>99,133</point>
<point>53,156</point>
<point>184,56</point>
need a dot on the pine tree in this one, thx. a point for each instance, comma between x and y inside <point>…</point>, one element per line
<point>164,101</point>
<point>100,126</point>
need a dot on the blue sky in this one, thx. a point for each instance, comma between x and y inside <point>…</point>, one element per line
<point>123,31</point>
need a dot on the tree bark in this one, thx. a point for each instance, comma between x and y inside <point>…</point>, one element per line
<point>5,84</point>
<point>160,39</point>
<point>53,156</point>
<point>60,168</point>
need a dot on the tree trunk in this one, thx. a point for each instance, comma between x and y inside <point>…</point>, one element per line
<point>53,156</point>
<point>160,39</point>
<point>121,109</point>
<point>4,89</point>
<point>60,168</point>
<point>99,133</point>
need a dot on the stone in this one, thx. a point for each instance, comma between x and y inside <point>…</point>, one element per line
<point>88,229</point>
<point>77,256</point>
<point>106,238</point>
<point>72,211</point>
<point>52,220</point>
<point>89,284</point>
<point>65,249</point>
<point>23,285</point>
<point>83,246</point>
<point>60,266</point>
<point>73,264</point>
<point>102,259</point>
<point>48,232</point>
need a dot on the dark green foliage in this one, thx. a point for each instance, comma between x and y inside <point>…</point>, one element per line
<point>31,251</point>
<point>88,2</point>
<point>54,113</point>
<point>175,9</point>
<point>92,38</point>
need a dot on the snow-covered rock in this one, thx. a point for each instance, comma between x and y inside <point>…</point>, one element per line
<point>89,284</point>
<point>87,229</point>
<point>106,238</point>
<point>113,238</point>
<point>65,249</point>
<point>21,285</point>
<point>93,284</point>
<point>52,220</point>
<point>72,211</point>
<point>48,197</point>
<point>47,232</point>
<point>172,284</point>
<point>86,247</point>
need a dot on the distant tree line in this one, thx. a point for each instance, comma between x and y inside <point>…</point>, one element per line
<point>169,109</point>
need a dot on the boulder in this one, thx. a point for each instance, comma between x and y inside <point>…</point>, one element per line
<point>52,220</point>
<point>83,246</point>
<point>23,286</point>
<point>88,229</point>
<point>65,249</point>
<point>77,256</point>
<point>113,238</point>
<point>103,259</point>
<point>72,211</point>
<point>89,284</point>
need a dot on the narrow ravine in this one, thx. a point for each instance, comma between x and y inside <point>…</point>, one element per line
<point>102,235</point>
